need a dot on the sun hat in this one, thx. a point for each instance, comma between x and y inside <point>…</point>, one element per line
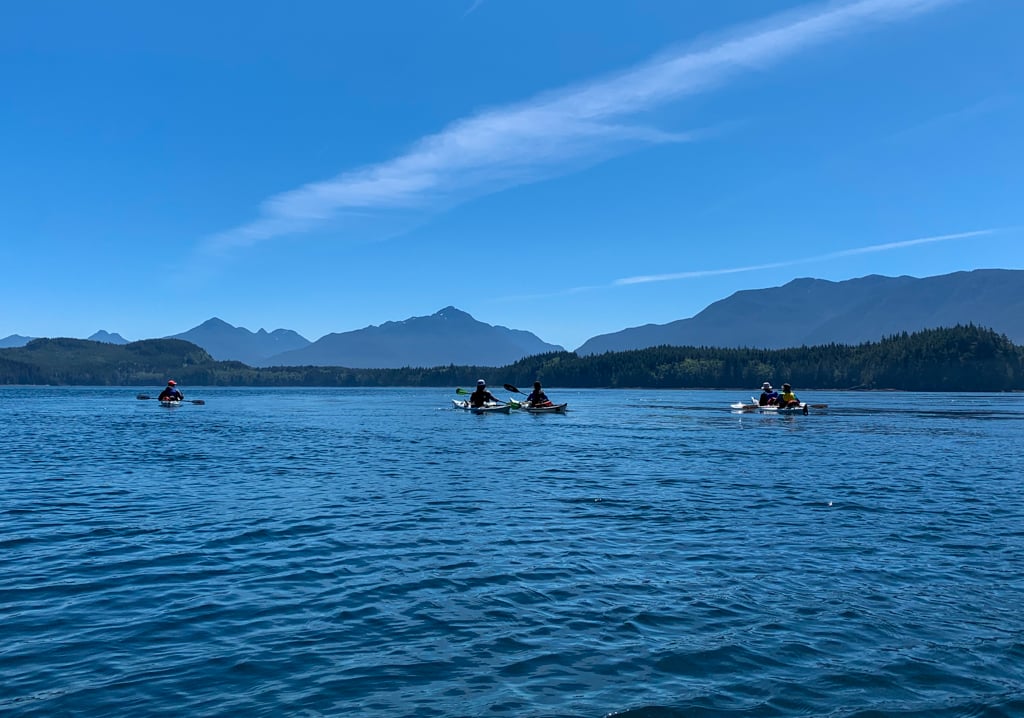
<point>766,385</point>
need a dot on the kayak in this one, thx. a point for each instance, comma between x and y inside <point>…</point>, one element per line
<point>777,410</point>
<point>546,409</point>
<point>170,402</point>
<point>485,409</point>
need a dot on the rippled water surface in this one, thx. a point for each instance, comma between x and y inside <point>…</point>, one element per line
<point>309,552</point>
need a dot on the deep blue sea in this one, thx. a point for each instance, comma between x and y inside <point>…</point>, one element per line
<point>375,552</point>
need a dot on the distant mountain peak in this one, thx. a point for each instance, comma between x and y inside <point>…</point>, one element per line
<point>215,323</point>
<point>226,342</point>
<point>450,312</point>
<point>14,340</point>
<point>108,338</point>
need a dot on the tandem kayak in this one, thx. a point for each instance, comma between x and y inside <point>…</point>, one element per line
<point>485,409</point>
<point>771,410</point>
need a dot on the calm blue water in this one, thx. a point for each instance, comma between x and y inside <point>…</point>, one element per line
<point>309,552</point>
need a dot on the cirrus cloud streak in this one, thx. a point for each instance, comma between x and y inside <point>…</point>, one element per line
<point>560,131</point>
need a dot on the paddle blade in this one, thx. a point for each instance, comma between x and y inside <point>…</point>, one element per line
<point>509,387</point>
<point>143,396</point>
<point>198,401</point>
<point>462,391</point>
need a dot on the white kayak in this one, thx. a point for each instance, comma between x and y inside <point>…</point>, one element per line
<point>488,408</point>
<point>777,410</point>
<point>170,402</point>
<point>545,409</point>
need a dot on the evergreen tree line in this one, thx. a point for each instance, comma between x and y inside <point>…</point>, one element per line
<point>963,358</point>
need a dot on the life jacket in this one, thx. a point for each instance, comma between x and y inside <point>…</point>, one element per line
<point>480,397</point>
<point>538,398</point>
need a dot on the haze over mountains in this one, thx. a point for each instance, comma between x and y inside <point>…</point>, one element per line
<point>802,312</point>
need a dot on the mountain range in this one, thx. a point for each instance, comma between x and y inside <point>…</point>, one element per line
<point>809,312</point>
<point>803,312</point>
<point>16,340</point>
<point>224,342</point>
<point>449,336</point>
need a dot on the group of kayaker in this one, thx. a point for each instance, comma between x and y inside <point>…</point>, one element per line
<point>481,396</point>
<point>770,397</point>
<point>477,399</point>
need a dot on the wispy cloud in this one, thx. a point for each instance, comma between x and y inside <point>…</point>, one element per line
<point>473,7</point>
<point>947,120</point>
<point>806,260</point>
<point>561,131</point>
<point>701,273</point>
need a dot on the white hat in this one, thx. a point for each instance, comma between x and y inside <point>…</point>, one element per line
<point>766,385</point>
<point>481,382</point>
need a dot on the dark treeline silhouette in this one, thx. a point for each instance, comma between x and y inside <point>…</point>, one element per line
<point>963,358</point>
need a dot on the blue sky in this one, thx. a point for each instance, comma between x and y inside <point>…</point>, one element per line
<point>570,168</point>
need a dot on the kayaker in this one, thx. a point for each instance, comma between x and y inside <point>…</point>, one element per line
<point>171,392</point>
<point>769,397</point>
<point>788,398</point>
<point>538,397</point>
<point>481,396</point>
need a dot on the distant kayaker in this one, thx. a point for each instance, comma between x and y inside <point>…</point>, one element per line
<point>538,397</point>
<point>788,398</point>
<point>171,392</point>
<point>481,396</point>
<point>769,397</point>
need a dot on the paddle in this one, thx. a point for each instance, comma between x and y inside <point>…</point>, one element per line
<point>186,401</point>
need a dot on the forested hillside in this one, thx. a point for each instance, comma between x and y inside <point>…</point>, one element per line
<point>955,359</point>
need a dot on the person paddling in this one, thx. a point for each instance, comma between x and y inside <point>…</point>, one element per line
<point>481,396</point>
<point>171,392</point>
<point>537,397</point>
<point>769,397</point>
<point>788,398</point>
